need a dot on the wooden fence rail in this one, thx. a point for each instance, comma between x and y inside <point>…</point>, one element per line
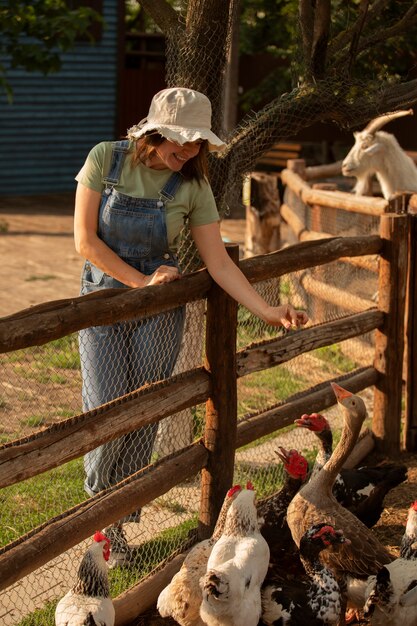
<point>214,383</point>
<point>396,285</point>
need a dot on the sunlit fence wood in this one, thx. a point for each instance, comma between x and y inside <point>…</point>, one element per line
<point>209,383</point>
<point>396,285</point>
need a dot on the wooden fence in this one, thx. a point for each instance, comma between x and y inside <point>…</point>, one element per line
<point>214,382</point>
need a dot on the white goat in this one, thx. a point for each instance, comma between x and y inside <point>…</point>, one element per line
<point>379,153</point>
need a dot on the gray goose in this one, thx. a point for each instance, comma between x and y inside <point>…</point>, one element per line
<point>315,503</point>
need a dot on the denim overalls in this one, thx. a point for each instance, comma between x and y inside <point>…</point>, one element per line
<point>120,358</point>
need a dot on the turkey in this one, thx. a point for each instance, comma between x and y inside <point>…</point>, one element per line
<point>361,490</point>
<point>273,509</point>
<point>181,599</point>
<point>236,568</point>
<point>314,600</point>
<point>88,603</point>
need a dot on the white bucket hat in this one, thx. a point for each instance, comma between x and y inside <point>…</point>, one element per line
<point>180,115</point>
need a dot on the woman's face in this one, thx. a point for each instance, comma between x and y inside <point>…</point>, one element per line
<point>170,155</point>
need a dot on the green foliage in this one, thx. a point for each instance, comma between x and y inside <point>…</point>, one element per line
<point>272,27</point>
<point>34,33</point>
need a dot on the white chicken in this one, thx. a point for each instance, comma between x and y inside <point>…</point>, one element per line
<point>88,603</point>
<point>181,599</point>
<point>236,568</point>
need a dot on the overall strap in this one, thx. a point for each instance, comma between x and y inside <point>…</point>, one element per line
<point>119,151</point>
<point>168,191</point>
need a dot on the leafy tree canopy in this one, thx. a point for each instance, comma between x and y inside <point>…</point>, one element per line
<point>272,26</point>
<point>34,33</point>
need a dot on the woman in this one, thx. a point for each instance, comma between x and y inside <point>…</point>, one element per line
<point>133,198</point>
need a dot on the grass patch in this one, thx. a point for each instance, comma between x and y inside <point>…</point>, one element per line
<point>28,504</point>
<point>33,421</point>
<point>333,357</point>
<point>34,277</point>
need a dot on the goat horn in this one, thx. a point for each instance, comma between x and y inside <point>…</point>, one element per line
<point>380,121</point>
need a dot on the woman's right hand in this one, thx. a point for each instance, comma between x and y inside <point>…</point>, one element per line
<point>163,274</point>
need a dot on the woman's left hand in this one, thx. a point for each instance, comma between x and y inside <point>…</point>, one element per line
<point>285,315</point>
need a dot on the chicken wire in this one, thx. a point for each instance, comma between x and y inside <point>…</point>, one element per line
<point>42,386</point>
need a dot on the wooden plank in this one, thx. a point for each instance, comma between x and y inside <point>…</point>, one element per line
<point>316,399</point>
<point>337,200</point>
<point>52,320</point>
<point>334,295</point>
<point>272,352</point>
<point>77,435</point>
<point>60,534</point>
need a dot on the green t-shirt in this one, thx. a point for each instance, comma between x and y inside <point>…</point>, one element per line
<point>193,200</point>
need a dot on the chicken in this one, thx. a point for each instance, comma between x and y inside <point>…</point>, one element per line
<point>88,603</point>
<point>181,599</point>
<point>236,568</point>
<point>391,595</point>
<point>408,549</point>
<point>316,598</point>
<point>361,490</point>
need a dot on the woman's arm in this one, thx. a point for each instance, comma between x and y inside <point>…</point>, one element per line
<point>226,274</point>
<point>91,247</point>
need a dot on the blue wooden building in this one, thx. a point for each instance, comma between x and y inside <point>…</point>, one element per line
<point>54,120</point>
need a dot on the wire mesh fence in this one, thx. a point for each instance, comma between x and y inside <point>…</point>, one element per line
<point>42,386</point>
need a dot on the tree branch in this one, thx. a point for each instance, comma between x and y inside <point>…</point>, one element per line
<point>360,24</point>
<point>343,38</point>
<point>306,24</point>
<point>320,37</point>
<point>163,15</point>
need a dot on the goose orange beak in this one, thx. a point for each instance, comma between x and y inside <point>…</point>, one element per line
<point>340,393</point>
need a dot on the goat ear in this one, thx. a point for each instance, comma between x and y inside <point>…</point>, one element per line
<point>373,148</point>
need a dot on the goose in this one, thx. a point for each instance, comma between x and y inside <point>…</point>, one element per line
<point>391,595</point>
<point>362,490</point>
<point>315,503</point>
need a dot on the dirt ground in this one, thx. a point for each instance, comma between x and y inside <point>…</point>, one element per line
<point>39,263</point>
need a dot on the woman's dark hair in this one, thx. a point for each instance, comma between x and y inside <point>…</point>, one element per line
<point>196,167</point>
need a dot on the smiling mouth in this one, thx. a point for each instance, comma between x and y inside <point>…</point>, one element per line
<point>180,159</point>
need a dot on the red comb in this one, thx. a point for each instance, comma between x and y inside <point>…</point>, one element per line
<point>233,490</point>
<point>99,536</point>
<point>250,486</point>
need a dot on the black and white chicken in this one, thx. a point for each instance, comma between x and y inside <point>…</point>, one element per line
<point>88,603</point>
<point>391,595</point>
<point>314,599</point>
<point>236,568</point>
<point>181,599</point>
<point>361,490</point>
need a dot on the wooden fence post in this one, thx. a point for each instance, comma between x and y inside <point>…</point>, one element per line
<point>410,429</point>
<point>389,338</point>
<point>221,407</point>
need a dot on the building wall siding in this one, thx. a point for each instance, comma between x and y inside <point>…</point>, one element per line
<point>55,120</point>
